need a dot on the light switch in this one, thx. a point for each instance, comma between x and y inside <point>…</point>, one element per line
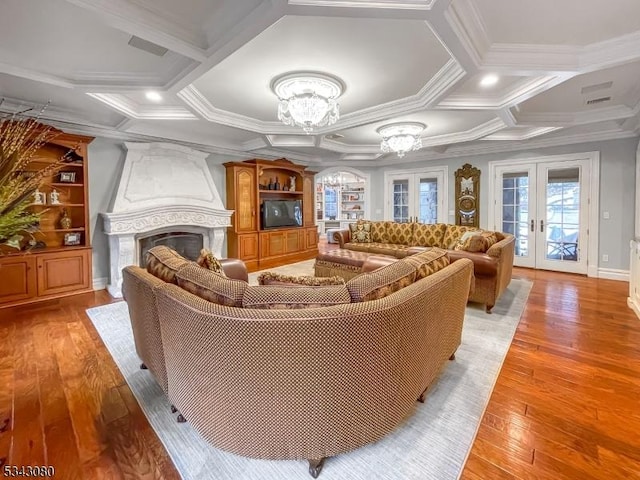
<point>605,215</point>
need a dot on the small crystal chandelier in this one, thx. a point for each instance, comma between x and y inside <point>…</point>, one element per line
<point>401,137</point>
<point>308,99</point>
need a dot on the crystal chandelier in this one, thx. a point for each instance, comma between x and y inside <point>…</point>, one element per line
<point>308,99</point>
<point>401,137</point>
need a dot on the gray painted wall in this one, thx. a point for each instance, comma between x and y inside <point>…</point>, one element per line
<point>617,190</point>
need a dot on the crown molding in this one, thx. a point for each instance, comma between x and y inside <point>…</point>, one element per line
<point>135,110</point>
<point>446,77</point>
<point>35,75</point>
<point>609,53</point>
<point>482,148</point>
<point>524,134</point>
<point>466,22</point>
<point>147,24</point>
<point>51,114</point>
<point>474,133</point>
<point>389,4</point>
<point>570,119</point>
<point>519,93</point>
<point>254,144</point>
<point>291,140</point>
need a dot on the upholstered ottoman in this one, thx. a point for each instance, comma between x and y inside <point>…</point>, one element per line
<point>346,263</point>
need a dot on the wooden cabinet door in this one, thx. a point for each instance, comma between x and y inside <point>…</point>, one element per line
<point>245,201</point>
<point>248,246</point>
<point>311,238</point>
<point>308,201</point>
<point>276,244</point>
<point>62,272</point>
<point>18,276</point>
<point>293,241</point>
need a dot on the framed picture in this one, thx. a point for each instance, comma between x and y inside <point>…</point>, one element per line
<point>72,238</point>
<point>67,177</point>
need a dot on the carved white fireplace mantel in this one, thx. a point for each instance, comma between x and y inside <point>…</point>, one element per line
<point>163,187</point>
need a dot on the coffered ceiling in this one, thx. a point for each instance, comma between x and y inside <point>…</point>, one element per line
<point>566,71</point>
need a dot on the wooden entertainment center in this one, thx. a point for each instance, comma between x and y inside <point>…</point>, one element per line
<point>249,184</point>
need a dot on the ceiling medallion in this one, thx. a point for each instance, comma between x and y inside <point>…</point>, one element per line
<point>401,137</point>
<point>308,99</point>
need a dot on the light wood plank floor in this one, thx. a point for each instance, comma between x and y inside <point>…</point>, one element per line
<point>565,405</point>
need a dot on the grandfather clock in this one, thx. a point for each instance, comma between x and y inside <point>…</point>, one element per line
<point>468,196</point>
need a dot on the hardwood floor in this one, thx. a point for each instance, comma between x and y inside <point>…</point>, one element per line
<point>565,405</point>
<point>63,401</point>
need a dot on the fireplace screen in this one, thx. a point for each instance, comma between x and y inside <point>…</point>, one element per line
<point>186,244</point>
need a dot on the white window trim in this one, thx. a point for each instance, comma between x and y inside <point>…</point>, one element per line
<point>443,170</point>
<point>594,197</point>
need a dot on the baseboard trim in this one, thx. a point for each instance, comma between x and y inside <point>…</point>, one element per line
<point>100,283</point>
<point>613,274</point>
<point>633,306</point>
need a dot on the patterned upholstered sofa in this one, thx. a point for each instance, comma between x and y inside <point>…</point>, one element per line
<point>282,372</point>
<point>493,264</point>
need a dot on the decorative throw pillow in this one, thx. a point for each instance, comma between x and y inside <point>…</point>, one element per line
<point>491,238</point>
<point>211,286</point>
<point>270,278</point>
<point>164,262</point>
<point>210,262</point>
<point>382,282</point>
<point>428,263</point>
<point>360,232</point>
<point>472,241</point>
<point>281,297</point>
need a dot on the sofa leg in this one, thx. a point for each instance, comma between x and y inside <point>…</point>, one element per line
<point>173,409</point>
<point>143,367</point>
<point>181,419</point>
<point>315,466</point>
<point>423,395</point>
<point>488,308</point>
<point>453,356</point>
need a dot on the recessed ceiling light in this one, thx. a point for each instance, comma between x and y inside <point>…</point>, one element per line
<point>153,96</point>
<point>489,80</point>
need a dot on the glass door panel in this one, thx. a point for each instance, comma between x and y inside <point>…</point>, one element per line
<point>562,228</point>
<point>330,203</point>
<point>428,207</point>
<point>400,199</point>
<point>514,210</point>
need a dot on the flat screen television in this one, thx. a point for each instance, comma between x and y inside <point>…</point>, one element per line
<point>281,213</point>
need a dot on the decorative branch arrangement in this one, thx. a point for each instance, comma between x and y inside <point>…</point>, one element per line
<point>20,139</point>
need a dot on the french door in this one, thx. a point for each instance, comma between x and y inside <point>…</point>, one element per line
<point>546,206</point>
<point>417,197</point>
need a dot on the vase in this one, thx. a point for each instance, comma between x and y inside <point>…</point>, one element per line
<point>65,220</point>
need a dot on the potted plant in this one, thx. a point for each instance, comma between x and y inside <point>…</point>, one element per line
<point>21,137</point>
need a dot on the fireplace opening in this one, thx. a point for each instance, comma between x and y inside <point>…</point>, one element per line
<point>185,243</point>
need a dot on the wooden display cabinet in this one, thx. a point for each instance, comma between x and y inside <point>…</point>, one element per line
<point>63,266</point>
<point>247,187</point>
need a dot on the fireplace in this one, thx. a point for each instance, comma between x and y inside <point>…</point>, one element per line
<point>186,244</point>
<point>166,194</point>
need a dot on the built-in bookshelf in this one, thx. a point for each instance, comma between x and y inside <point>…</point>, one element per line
<point>340,200</point>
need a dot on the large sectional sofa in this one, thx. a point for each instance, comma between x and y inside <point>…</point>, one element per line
<point>284,372</point>
<point>492,265</point>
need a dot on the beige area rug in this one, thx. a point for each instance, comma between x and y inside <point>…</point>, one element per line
<point>431,444</point>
